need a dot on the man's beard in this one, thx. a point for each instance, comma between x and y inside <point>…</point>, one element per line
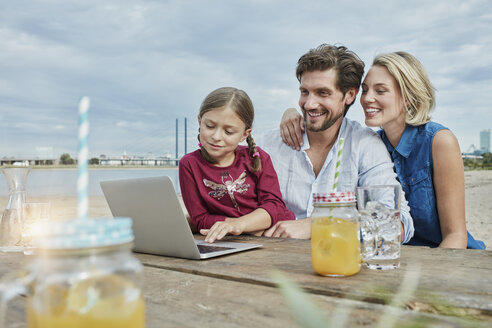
<point>328,123</point>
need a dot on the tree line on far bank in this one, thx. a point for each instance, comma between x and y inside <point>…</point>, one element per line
<point>484,163</point>
<point>66,159</point>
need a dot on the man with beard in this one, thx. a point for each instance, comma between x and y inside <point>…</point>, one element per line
<point>330,77</point>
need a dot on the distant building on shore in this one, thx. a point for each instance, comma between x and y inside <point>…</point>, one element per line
<point>148,160</point>
<point>485,141</point>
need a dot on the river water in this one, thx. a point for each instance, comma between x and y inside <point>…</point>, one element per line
<point>63,182</point>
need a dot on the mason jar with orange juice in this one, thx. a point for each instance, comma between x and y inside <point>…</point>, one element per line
<point>83,274</point>
<point>335,235</point>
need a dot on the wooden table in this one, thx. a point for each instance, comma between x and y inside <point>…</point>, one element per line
<point>453,288</point>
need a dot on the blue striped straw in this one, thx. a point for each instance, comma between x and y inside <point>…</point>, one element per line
<point>339,161</point>
<point>83,158</point>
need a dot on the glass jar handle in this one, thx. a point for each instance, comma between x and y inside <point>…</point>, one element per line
<point>12,284</point>
<point>369,238</point>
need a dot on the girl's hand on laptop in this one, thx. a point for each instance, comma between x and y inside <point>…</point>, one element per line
<point>222,228</point>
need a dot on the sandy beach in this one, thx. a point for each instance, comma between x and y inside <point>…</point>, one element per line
<point>478,205</point>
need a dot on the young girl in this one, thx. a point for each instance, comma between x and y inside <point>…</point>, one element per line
<point>228,188</point>
<point>398,96</point>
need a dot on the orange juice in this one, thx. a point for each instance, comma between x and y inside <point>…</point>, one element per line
<point>102,302</point>
<point>109,319</point>
<point>335,246</point>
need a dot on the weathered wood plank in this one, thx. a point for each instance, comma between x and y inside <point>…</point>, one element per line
<point>10,262</point>
<point>449,281</point>
<point>177,299</point>
<point>180,299</point>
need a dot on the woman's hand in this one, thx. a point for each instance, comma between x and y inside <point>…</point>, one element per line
<point>222,228</point>
<point>300,229</point>
<point>291,128</point>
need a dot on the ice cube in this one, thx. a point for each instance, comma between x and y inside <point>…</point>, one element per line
<point>374,206</point>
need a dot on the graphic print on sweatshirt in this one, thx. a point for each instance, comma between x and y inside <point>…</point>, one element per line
<point>229,186</point>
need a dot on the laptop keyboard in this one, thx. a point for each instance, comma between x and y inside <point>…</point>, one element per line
<point>203,249</point>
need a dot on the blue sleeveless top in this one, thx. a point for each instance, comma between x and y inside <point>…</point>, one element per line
<point>414,167</point>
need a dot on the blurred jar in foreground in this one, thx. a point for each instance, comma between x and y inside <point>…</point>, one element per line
<point>83,274</point>
<point>335,235</point>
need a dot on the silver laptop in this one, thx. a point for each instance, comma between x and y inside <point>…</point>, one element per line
<point>159,224</point>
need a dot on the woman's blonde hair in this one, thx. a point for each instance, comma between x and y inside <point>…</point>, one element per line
<point>241,104</point>
<point>416,89</point>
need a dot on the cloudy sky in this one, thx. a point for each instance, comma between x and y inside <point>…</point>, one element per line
<point>145,64</point>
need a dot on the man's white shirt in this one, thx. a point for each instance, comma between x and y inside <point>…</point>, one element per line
<point>365,161</point>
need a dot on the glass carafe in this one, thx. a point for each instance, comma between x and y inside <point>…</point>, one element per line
<point>11,223</point>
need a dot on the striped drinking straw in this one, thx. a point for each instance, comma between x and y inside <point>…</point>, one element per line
<point>83,176</point>
<point>337,167</point>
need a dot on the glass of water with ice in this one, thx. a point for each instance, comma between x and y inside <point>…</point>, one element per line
<point>380,205</point>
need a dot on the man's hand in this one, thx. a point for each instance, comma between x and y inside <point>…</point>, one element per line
<point>300,229</point>
<point>220,229</point>
<point>291,128</point>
